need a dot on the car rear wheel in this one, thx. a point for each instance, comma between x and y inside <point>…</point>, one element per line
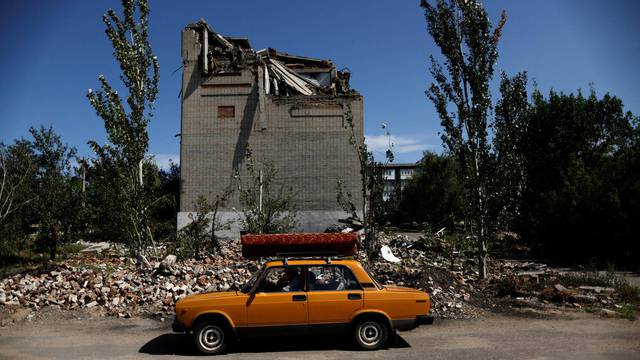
<point>371,334</point>
<point>210,338</point>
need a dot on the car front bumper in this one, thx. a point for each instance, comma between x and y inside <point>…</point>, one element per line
<point>177,327</point>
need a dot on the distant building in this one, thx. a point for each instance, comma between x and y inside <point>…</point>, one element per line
<point>289,110</point>
<point>396,177</point>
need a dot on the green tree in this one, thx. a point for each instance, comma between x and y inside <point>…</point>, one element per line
<point>17,172</point>
<point>165,189</point>
<point>372,187</point>
<point>122,158</point>
<point>17,167</point>
<point>57,206</point>
<point>104,201</point>
<point>200,234</point>
<point>436,194</point>
<point>510,127</point>
<point>580,194</point>
<point>468,42</point>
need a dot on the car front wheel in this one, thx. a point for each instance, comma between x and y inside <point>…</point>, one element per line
<point>210,338</point>
<point>371,334</point>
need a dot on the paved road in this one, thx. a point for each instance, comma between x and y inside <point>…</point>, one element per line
<point>496,337</point>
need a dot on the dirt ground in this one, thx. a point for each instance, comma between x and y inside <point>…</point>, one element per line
<point>573,336</point>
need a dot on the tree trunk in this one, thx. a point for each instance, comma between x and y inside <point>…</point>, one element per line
<point>482,239</point>
<point>53,244</point>
<point>482,259</point>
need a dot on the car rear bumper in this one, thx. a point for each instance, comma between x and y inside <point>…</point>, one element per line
<point>424,320</point>
<point>410,324</point>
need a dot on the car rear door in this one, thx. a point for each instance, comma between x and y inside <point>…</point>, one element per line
<point>334,295</point>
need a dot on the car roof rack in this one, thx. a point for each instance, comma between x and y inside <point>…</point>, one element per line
<point>327,256</point>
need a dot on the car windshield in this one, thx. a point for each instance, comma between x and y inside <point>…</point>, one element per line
<point>252,280</point>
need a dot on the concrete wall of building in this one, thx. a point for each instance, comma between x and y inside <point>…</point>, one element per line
<point>303,136</point>
<point>308,221</point>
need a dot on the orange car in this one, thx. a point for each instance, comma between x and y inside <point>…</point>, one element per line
<point>303,296</point>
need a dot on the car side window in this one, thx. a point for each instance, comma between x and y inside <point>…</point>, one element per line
<point>283,279</point>
<point>331,277</point>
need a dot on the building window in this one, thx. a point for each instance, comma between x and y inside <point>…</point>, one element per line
<point>406,172</point>
<point>226,112</point>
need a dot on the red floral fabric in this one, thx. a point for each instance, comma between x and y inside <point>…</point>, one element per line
<point>265,245</point>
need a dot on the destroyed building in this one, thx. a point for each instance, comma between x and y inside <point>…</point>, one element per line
<point>288,110</point>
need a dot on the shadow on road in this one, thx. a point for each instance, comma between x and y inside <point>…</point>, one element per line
<point>182,344</point>
<point>170,344</point>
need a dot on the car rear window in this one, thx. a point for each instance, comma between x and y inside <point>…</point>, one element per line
<point>331,278</point>
<point>373,278</point>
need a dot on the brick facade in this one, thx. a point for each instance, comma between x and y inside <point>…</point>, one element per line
<point>304,136</point>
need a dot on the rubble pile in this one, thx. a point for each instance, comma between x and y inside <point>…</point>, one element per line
<point>534,285</point>
<point>424,268</point>
<point>114,287</point>
<point>456,291</point>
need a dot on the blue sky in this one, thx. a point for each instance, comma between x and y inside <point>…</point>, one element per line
<point>53,51</point>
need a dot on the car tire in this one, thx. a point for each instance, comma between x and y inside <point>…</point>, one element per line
<point>211,338</point>
<point>371,334</point>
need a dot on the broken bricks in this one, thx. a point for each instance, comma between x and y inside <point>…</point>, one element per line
<point>114,286</point>
<point>117,288</point>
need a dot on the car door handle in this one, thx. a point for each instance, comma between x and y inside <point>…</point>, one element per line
<point>354,296</point>
<point>299,297</point>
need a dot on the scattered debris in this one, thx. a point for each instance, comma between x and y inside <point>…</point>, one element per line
<point>423,267</point>
<point>97,247</point>
<point>166,266</point>
<point>386,253</point>
<point>456,291</point>
<point>112,285</point>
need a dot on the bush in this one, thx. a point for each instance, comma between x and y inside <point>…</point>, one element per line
<point>267,207</point>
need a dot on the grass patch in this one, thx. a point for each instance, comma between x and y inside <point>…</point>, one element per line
<point>29,259</point>
<point>628,293</point>
<point>629,311</point>
<point>69,249</point>
<point>590,309</point>
<point>590,278</point>
<point>624,295</point>
<point>624,291</point>
<point>20,262</point>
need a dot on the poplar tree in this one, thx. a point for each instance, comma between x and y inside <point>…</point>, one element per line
<point>510,131</point>
<point>460,93</point>
<point>126,119</point>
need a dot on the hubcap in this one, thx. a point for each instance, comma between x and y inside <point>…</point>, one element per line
<point>370,333</point>
<point>211,337</point>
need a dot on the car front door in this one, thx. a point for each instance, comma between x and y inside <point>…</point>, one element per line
<point>280,299</point>
<point>334,295</point>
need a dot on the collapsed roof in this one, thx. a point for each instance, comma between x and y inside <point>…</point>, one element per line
<point>284,74</point>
